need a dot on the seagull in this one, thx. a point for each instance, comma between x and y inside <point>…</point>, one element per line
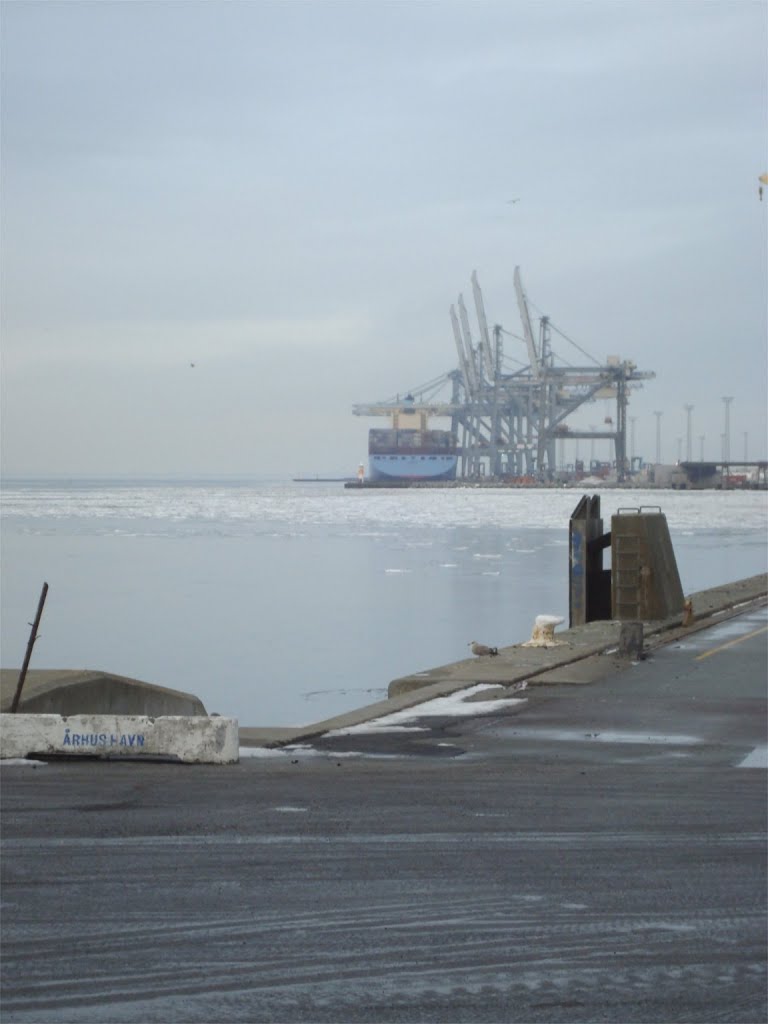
<point>510,201</point>
<point>192,365</point>
<point>481,649</point>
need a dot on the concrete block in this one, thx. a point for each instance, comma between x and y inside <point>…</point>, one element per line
<point>631,640</point>
<point>93,692</point>
<point>195,740</point>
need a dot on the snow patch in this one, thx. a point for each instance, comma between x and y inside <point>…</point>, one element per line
<point>453,705</point>
<point>758,758</point>
<point>278,752</point>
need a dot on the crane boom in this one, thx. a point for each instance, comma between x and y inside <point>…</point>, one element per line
<point>460,350</point>
<point>468,344</point>
<point>484,336</point>
<point>526,321</point>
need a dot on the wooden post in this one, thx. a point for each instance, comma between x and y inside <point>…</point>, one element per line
<point>30,645</point>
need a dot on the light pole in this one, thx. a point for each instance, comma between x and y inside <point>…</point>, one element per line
<point>658,414</point>
<point>745,445</point>
<point>727,399</point>
<point>679,450</point>
<point>688,410</point>
<point>701,447</point>
<point>724,468</point>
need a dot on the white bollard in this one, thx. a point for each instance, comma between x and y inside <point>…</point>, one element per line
<point>543,634</point>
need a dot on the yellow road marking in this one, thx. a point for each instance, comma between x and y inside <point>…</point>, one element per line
<point>731,643</point>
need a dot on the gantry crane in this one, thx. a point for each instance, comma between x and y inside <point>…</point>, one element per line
<point>508,423</point>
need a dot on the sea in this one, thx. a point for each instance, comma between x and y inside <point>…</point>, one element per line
<point>283,603</point>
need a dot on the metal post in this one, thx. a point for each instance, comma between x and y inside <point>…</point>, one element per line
<point>724,470</point>
<point>688,409</point>
<point>658,414</point>
<point>30,645</point>
<point>727,399</point>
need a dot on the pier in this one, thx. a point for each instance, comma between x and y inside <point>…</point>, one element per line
<point>585,651</point>
<point>569,829</point>
<point>596,851</point>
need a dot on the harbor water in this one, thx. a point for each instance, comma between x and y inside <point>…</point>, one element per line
<point>285,603</point>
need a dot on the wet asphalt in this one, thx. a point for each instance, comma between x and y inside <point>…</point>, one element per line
<point>596,853</point>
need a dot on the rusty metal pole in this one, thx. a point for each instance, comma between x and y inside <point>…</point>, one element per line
<point>30,645</point>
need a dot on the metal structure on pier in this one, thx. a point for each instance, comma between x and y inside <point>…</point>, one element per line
<point>508,421</point>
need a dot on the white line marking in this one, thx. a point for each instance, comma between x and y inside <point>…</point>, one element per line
<point>757,759</point>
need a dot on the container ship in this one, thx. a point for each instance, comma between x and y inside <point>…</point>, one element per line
<point>408,450</point>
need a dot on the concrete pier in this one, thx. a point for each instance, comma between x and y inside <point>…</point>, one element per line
<point>596,853</point>
<point>582,653</point>
<point>590,644</point>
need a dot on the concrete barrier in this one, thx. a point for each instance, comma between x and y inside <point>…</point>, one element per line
<point>177,738</point>
<point>93,692</point>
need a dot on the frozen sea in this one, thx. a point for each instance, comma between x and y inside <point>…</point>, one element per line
<point>283,603</point>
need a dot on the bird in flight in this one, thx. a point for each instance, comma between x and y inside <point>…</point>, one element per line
<point>481,649</point>
<point>510,201</point>
<point>192,365</point>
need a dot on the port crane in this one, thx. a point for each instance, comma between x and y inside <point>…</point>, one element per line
<point>508,421</point>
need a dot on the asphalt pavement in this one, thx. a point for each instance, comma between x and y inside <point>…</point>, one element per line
<point>595,852</point>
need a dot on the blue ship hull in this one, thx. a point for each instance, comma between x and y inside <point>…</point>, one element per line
<point>412,467</point>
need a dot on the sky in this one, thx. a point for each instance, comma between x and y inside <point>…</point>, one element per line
<point>291,195</point>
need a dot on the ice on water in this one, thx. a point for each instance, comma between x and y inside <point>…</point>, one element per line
<point>251,595</point>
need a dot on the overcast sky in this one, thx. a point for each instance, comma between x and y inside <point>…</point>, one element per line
<point>291,195</point>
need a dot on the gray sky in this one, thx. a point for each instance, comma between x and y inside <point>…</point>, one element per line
<point>291,195</point>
